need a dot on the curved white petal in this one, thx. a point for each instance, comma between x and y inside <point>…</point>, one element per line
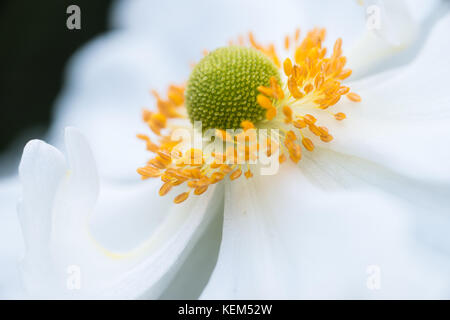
<point>394,33</point>
<point>287,237</point>
<point>63,257</point>
<point>195,272</point>
<point>427,203</point>
<point>403,121</point>
<point>41,171</point>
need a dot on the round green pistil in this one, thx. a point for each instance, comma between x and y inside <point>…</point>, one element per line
<point>222,89</point>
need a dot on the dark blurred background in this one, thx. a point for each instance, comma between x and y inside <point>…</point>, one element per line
<point>35,47</point>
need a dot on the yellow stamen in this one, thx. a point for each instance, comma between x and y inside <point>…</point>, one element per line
<point>236,174</point>
<point>267,91</point>
<point>200,190</point>
<point>308,144</point>
<point>181,197</point>
<point>340,116</point>
<point>271,113</point>
<point>264,102</point>
<point>165,188</point>
<point>287,66</point>
<point>354,97</point>
<point>247,125</point>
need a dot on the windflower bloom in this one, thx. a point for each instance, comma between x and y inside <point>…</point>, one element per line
<point>239,87</point>
<point>353,175</point>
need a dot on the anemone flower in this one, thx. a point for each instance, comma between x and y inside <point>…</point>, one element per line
<point>355,210</point>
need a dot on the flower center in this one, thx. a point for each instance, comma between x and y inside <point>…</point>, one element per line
<point>242,88</point>
<point>222,89</point>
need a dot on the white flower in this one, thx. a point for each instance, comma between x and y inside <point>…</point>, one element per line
<point>309,232</point>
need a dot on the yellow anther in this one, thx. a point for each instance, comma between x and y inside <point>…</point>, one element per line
<point>193,183</point>
<point>287,111</point>
<point>309,119</point>
<point>293,88</point>
<point>200,190</point>
<point>314,129</point>
<point>326,138</point>
<point>299,124</point>
<point>165,188</point>
<point>267,91</point>
<point>264,102</point>
<point>247,125</point>
<point>295,153</point>
<point>287,66</point>
<point>181,197</point>
<point>236,174</point>
<point>290,135</point>
<point>271,113</point>
<point>340,116</point>
<point>308,144</point>
<point>159,162</point>
<point>178,182</point>
<point>343,90</point>
<point>323,131</point>
<point>149,172</point>
<point>217,176</point>
<point>354,97</point>
<point>345,74</point>
<point>164,155</point>
<point>248,174</point>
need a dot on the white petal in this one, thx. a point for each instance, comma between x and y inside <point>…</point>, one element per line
<point>403,121</point>
<point>65,243</point>
<point>41,171</point>
<point>251,263</point>
<point>427,203</point>
<point>166,250</point>
<point>195,272</point>
<point>285,237</point>
<point>394,33</point>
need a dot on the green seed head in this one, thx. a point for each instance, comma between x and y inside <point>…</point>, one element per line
<point>222,89</point>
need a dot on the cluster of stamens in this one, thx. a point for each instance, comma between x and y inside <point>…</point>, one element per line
<point>311,82</point>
